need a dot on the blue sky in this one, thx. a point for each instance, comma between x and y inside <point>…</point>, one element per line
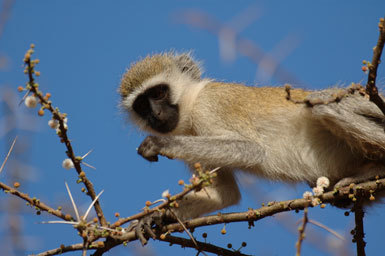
<point>84,48</point>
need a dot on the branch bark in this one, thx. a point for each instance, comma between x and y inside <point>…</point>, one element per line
<point>371,87</point>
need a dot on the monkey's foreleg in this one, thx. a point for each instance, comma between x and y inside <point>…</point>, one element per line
<point>221,151</point>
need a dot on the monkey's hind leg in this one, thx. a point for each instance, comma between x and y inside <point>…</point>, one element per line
<point>222,193</point>
<point>355,120</point>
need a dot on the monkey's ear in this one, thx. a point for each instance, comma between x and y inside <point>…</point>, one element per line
<point>188,65</point>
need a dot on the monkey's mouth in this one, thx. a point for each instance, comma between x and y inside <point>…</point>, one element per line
<point>163,125</point>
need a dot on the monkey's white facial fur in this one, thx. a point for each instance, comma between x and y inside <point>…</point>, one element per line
<point>156,90</point>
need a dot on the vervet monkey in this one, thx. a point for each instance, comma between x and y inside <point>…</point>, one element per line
<point>334,133</point>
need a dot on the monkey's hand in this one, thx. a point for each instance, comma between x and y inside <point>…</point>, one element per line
<point>151,148</point>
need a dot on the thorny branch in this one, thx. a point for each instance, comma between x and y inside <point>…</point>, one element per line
<point>359,229</point>
<point>371,87</point>
<point>57,115</point>
<point>35,202</point>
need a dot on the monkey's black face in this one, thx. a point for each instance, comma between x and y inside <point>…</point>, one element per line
<point>155,107</point>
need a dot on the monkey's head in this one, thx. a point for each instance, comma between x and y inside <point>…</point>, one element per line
<point>154,89</point>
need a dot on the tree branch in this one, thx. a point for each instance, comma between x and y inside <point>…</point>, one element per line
<point>34,202</point>
<point>359,229</point>
<point>371,88</point>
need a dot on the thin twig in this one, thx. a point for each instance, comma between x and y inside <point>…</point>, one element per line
<point>301,231</point>
<point>8,154</point>
<point>371,88</point>
<point>33,201</point>
<point>69,248</point>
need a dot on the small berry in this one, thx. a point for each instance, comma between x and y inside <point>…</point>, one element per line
<point>162,236</point>
<point>346,213</point>
<point>40,112</point>
<point>32,46</point>
<point>117,215</point>
<point>20,88</point>
<point>95,220</point>
<point>372,198</point>
<point>223,231</point>
<point>83,190</point>
<point>204,235</point>
<point>68,217</point>
<point>229,246</point>
<point>47,96</point>
<point>16,184</point>
<point>100,244</point>
<point>364,68</point>
<point>148,203</point>
<point>37,73</point>
<point>244,244</point>
<point>323,206</point>
<point>180,182</point>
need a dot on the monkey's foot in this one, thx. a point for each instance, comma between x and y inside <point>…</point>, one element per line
<point>148,226</point>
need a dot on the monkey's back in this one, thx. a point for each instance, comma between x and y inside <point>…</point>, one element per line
<point>246,104</point>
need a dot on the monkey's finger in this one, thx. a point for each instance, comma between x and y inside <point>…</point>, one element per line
<point>148,231</point>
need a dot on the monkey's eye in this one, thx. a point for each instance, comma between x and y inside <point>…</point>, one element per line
<point>158,92</point>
